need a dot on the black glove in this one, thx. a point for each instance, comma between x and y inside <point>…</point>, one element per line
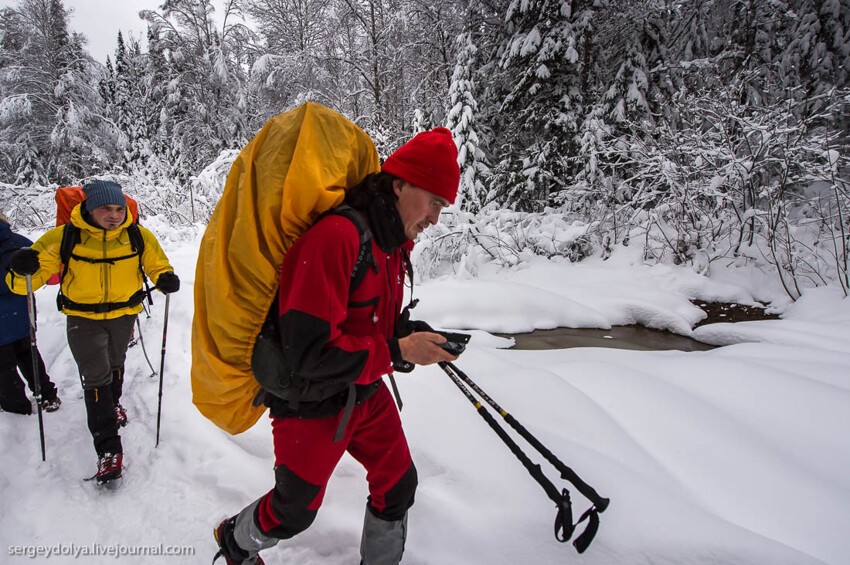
<point>404,326</point>
<point>168,283</point>
<point>398,363</point>
<point>24,261</point>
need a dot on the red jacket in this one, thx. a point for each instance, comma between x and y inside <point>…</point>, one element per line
<point>327,331</point>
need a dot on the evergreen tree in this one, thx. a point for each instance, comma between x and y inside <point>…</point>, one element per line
<point>755,39</point>
<point>817,58</point>
<point>50,121</point>
<point>537,96</point>
<point>123,104</point>
<point>689,65</point>
<point>107,84</point>
<point>135,108</point>
<point>635,90</point>
<point>156,78</point>
<point>204,105</point>
<point>642,84</point>
<point>462,121</point>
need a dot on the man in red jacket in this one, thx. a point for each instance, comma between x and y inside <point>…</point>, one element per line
<point>330,331</point>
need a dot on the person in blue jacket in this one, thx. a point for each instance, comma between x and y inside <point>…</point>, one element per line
<point>15,350</point>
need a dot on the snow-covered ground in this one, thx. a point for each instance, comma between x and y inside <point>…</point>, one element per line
<point>736,455</point>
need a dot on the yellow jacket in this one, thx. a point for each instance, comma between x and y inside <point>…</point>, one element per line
<point>96,283</point>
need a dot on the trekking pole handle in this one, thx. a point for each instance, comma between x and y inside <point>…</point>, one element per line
<point>31,305</point>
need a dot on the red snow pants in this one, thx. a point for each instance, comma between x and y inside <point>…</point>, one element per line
<point>306,455</point>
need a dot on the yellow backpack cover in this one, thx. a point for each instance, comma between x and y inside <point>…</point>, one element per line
<point>298,166</point>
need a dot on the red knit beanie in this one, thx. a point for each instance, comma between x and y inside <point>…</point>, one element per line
<point>428,161</point>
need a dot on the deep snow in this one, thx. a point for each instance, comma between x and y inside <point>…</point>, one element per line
<point>736,455</point>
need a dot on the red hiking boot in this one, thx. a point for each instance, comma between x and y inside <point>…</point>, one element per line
<point>51,405</point>
<point>109,467</point>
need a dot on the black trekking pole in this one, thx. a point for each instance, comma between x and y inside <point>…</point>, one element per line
<point>162,366</point>
<point>36,377</point>
<point>564,527</point>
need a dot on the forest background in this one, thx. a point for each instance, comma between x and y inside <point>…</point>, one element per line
<point>701,130</point>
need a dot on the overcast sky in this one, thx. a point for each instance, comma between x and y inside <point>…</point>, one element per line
<point>100,21</point>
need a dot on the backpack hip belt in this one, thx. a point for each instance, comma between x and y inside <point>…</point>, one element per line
<point>137,298</point>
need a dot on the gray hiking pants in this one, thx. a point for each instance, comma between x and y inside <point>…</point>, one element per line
<point>99,347</point>
<point>382,542</point>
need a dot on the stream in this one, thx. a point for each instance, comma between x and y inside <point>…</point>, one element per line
<point>633,337</point>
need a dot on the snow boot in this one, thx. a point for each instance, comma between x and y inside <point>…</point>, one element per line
<point>383,541</point>
<point>229,549</point>
<point>51,405</point>
<point>109,468</point>
<point>13,397</point>
<point>23,408</point>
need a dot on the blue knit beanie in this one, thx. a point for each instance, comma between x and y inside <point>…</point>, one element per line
<point>103,193</point>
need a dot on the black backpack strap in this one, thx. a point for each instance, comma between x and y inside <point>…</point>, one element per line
<point>70,238</point>
<point>365,259</point>
<point>350,401</point>
<point>137,244</point>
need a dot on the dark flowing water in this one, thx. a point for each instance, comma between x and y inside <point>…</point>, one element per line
<point>640,338</point>
<point>636,338</point>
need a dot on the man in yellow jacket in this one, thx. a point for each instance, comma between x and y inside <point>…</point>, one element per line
<point>101,293</point>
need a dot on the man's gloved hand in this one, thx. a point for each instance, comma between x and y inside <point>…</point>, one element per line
<point>405,326</point>
<point>24,262</point>
<point>420,326</point>
<point>168,282</point>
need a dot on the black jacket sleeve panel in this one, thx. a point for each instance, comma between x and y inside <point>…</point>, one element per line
<point>306,351</point>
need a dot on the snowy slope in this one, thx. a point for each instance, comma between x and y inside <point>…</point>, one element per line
<point>736,455</point>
